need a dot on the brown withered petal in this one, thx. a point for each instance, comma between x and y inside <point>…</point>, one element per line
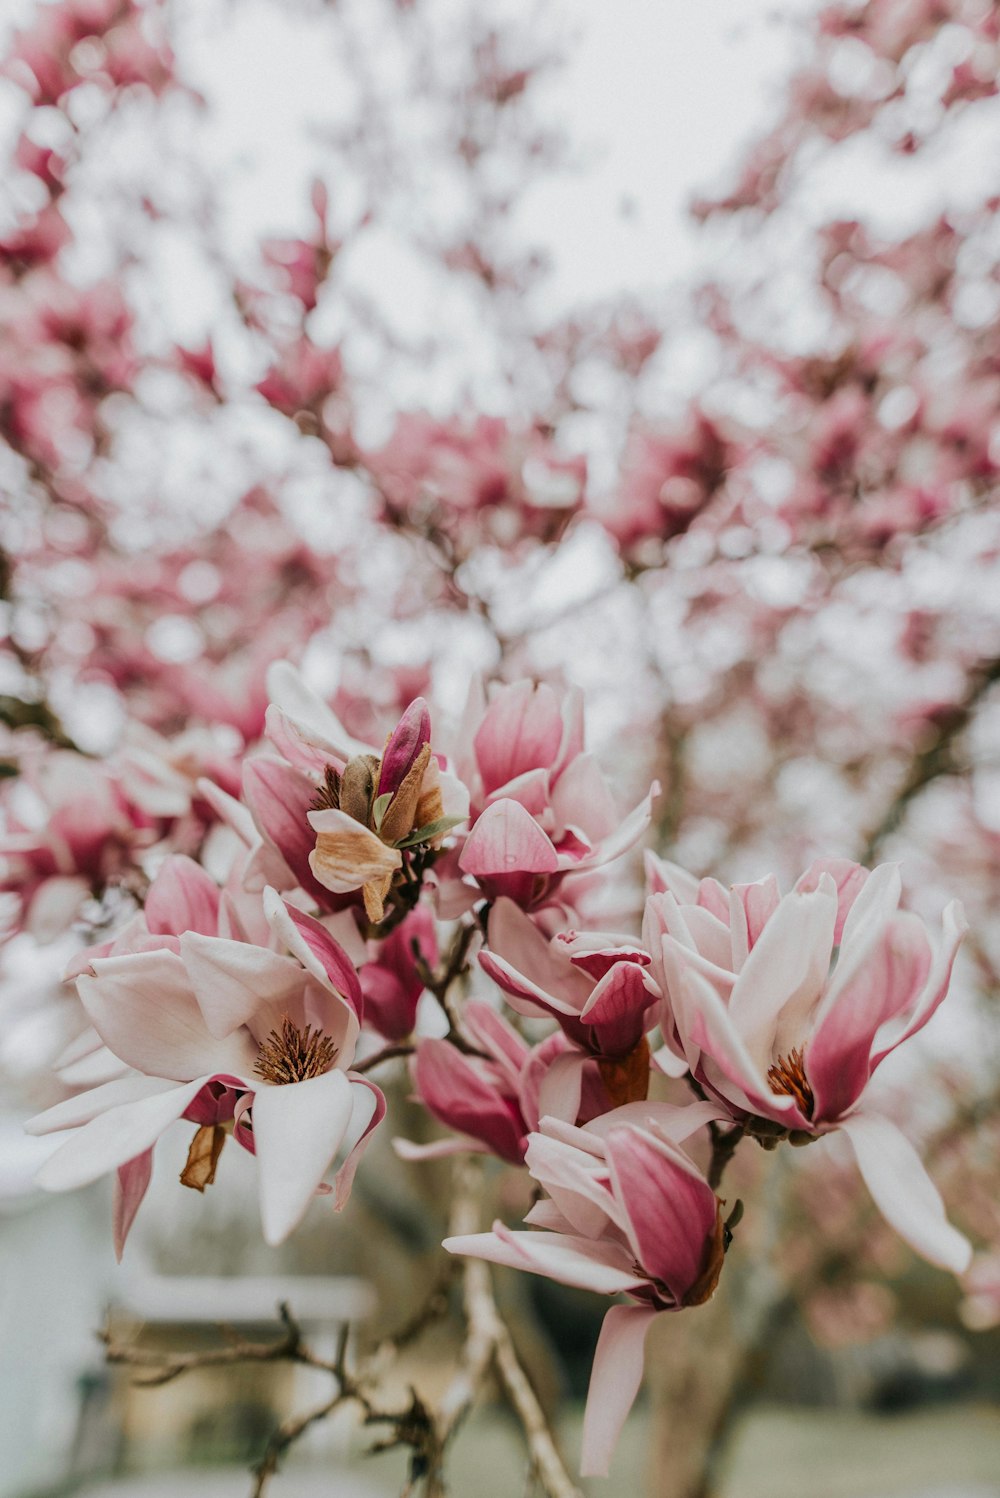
<point>346,860</point>
<point>357,787</point>
<point>374,893</point>
<point>430,808</point>
<point>399,817</point>
<point>704,1286</point>
<point>203,1157</point>
<point>626,1078</point>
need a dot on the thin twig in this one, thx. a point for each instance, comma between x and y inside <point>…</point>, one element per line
<point>387,1053</point>
<point>489,1345</point>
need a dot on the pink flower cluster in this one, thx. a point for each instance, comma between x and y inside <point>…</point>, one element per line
<point>240,1007</point>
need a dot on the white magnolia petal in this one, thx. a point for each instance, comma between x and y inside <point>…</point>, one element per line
<point>317,722</point>
<point>232,980</point>
<point>903,1191</point>
<point>114,1137</point>
<point>571,1261</point>
<point>297,1131</point>
<point>143,1007</point>
<point>73,1112</point>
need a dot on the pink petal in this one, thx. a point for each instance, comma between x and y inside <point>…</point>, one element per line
<point>750,907</point>
<point>897,1030</point>
<point>131,1184</point>
<point>838,1056</point>
<point>439,1149</point>
<point>297,1131</point>
<point>663,877</point>
<point>182,897</point>
<point>671,1208</point>
<point>614,1383</point>
<point>144,1009</point>
<point>626,834</point>
<point>578,1183</point>
<point>232,980</point>
<point>525,963</point>
<point>72,1112</point>
<point>369,1111</point>
<point>507,840</point>
<point>315,948</point>
<point>617,1009</point>
<point>708,1024</point>
<point>569,1260</point>
<point>464,1097</point>
<point>531,790</point>
<point>785,973</point>
<point>491,1033</point>
<point>903,1191</point>
<point>561,1086</point>
<point>522,730</point>
<point>581,798</point>
<point>409,736</point>
<point>849,877</point>
<point>281,799</point>
<point>314,720</point>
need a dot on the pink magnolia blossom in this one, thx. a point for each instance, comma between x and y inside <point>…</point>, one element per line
<point>542,808</point>
<point>225,1032</point>
<point>627,1212</point>
<point>343,817</point>
<point>757,1010</point>
<point>493,1097</point>
<point>91,832</point>
<point>591,983</point>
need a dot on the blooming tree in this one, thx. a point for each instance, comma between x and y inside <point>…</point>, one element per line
<point>301,765</point>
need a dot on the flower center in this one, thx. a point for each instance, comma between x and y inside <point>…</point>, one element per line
<point>788,1077</point>
<point>294,1055</point>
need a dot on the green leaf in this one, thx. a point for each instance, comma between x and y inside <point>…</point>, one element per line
<point>380,806</point>
<point>432,830</point>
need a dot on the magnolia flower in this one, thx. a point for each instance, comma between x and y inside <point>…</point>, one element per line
<point>787,1038</point>
<point>591,983</point>
<point>543,808</point>
<point>227,1034</point>
<point>495,1097</point>
<point>627,1213</point>
<point>91,831</point>
<point>369,814</point>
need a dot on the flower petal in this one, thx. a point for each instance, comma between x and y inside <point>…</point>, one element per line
<point>348,855</point>
<point>297,1131</point>
<point>671,1207</point>
<point>614,1383</point>
<point>785,973</point>
<point>903,1191</point>
<point>131,1185</point>
<point>182,897</point>
<point>115,1137</point>
<point>581,1262</point>
<point>232,980</point>
<point>72,1112</point>
<point>143,1007</point>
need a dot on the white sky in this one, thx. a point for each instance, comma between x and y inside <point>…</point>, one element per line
<point>660,95</point>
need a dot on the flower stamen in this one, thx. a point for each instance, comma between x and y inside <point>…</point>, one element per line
<point>788,1078</point>
<point>294,1055</point>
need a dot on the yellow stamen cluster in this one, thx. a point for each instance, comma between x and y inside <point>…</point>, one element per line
<point>788,1078</point>
<point>294,1055</point>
